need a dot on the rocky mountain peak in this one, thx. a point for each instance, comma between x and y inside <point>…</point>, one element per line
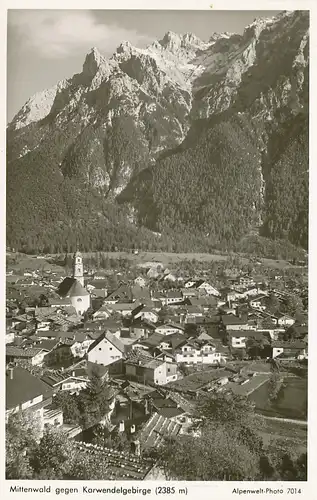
<point>93,62</point>
<point>124,47</point>
<point>171,41</point>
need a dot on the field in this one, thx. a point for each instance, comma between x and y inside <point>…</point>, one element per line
<point>167,259</point>
<point>293,435</point>
<point>291,401</point>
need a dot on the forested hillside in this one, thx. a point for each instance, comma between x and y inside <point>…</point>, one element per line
<point>213,187</point>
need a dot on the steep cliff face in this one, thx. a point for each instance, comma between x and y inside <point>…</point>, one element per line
<point>193,113</point>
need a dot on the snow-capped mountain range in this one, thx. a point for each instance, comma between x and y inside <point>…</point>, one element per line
<point>104,126</point>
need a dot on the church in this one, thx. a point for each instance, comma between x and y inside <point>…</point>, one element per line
<point>73,288</point>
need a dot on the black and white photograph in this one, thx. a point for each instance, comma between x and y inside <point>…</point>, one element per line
<point>157,216</point>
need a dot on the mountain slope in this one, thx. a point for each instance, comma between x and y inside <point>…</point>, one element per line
<point>185,135</point>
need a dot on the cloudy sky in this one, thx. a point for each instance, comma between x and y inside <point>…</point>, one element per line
<point>45,46</point>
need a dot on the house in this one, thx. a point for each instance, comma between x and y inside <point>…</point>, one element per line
<point>188,292</point>
<point>140,294</point>
<point>53,417</point>
<point>112,325</point>
<point>146,314</point>
<point>231,294</point>
<point>238,339</point>
<point>171,342</point>
<point>246,281</point>
<point>193,312</point>
<point>141,328</point>
<point>285,320</point>
<point>171,405</point>
<point>290,350</point>
<point>258,302</point>
<point>46,345</point>
<point>172,297</point>
<point>153,273</point>
<point>140,281</point>
<point>9,336</point>
<point>96,293</point>
<point>122,294</point>
<point>102,313</point>
<point>195,351</point>
<point>100,275</point>
<point>252,292</point>
<point>107,349</point>
<point>72,382</point>
<point>203,286</point>
<point>33,355</point>
<point>124,309</point>
<point>25,391</point>
<point>152,341</point>
<point>142,367</point>
<point>155,429</point>
<point>230,322</point>
<point>170,277</point>
<point>43,325</point>
<point>206,303</point>
<point>169,329</point>
<point>59,303</point>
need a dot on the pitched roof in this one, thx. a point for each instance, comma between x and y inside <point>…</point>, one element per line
<point>174,294</point>
<point>229,319</point>
<point>111,338</point>
<point>289,345</point>
<point>21,352</point>
<point>154,340</point>
<point>174,340</point>
<point>246,333</point>
<point>59,302</point>
<point>155,429</point>
<point>139,357</point>
<point>47,345</point>
<point>55,378</point>
<point>23,387</point>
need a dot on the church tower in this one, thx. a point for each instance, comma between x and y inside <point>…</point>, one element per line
<point>78,267</point>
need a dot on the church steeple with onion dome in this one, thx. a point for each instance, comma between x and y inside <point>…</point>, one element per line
<point>78,267</point>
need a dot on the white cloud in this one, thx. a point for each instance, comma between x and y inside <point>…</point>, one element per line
<point>56,34</point>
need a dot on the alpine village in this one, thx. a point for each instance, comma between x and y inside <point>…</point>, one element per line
<point>157,265</point>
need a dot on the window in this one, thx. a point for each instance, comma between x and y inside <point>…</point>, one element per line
<point>99,348</point>
<point>168,370</point>
<point>79,299</point>
<point>110,348</point>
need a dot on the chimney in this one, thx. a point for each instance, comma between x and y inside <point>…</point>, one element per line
<point>121,426</point>
<point>132,430</point>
